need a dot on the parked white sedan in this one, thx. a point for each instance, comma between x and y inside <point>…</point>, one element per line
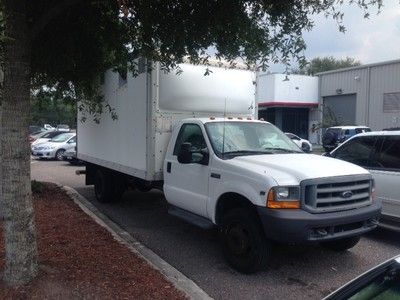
<point>56,147</point>
<point>303,144</point>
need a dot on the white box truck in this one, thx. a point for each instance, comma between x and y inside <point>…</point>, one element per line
<point>194,137</point>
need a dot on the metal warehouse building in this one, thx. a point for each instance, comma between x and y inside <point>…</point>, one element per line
<point>365,95</point>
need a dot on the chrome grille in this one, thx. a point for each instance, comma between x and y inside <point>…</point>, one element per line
<point>337,194</point>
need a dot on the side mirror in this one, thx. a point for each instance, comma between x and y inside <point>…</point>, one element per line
<point>185,155</point>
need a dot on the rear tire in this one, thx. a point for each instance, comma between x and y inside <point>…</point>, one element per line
<point>103,188</point>
<point>244,244</point>
<point>341,245</point>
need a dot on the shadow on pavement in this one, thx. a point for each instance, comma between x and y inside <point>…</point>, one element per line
<point>386,236</point>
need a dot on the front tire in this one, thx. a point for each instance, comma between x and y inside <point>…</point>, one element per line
<point>341,245</point>
<point>59,154</point>
<point>244,244</point>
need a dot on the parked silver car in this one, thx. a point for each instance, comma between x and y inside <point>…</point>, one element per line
<point>44,137</point>
<point>378,152</point>
<point>303,144</point>
<point>56,147</point>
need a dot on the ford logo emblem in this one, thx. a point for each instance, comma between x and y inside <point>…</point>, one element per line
<point>347,194</point>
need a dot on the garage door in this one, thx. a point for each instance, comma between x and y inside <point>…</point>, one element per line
<point>340,107</point>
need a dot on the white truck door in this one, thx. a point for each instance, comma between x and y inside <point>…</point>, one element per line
<point>186,185</point>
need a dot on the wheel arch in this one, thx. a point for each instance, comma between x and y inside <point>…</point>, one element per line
<point>229,201</point>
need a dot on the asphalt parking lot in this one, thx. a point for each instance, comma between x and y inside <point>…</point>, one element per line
<point>294,272</point>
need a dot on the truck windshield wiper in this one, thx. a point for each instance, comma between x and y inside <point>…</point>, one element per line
<point>245,152</point>
<point>283,150</point>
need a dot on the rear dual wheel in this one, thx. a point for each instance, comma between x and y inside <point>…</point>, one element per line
<point>108,187</point>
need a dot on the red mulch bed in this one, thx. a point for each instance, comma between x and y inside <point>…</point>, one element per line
<point>80,259</point>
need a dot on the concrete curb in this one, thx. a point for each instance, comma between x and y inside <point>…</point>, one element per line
<point>179,280</point>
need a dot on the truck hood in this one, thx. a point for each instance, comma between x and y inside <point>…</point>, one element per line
<point>291,169</point>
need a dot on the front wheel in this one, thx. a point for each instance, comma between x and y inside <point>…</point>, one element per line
<point>59,154</point>
<point>341,245</point>
<point>244,244</point>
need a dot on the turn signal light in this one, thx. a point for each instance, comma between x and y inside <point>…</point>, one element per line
<point>272,201</point>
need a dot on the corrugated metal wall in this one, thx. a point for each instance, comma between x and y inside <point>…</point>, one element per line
<point>369,83</point>
<point>384,79</point>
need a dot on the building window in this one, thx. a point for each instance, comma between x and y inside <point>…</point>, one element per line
<point>391,102</point>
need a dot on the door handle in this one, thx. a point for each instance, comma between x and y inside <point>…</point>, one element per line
<point>215,175</point>
<point>169,167</point>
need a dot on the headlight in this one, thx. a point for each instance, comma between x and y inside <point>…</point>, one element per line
<point>49,147</point>
<point>284,197</point>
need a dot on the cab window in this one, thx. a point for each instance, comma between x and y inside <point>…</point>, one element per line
<point>190,133</point>
<point>359,151</point>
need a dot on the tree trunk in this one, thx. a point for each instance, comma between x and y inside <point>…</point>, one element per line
<point>17,207</point>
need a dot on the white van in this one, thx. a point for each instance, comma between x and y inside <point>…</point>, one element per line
<point>378,152</point>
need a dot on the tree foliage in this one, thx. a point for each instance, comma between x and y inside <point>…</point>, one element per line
<point>73,41</point>
<point>47,109</point>
<point>328,63</point>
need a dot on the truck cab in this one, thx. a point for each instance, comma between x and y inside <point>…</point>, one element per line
<point>248,179</point>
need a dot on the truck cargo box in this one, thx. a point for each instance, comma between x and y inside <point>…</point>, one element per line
<point>148,105</point>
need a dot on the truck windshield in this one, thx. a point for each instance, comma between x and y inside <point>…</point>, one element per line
<point>230,139</point>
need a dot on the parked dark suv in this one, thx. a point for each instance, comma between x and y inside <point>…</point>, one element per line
<point>338,134</point>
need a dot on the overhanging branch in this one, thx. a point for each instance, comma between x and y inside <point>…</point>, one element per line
<point>50,14</point>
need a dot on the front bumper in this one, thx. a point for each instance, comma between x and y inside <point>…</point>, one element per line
<point>299,226</point>
<point>44,153</point>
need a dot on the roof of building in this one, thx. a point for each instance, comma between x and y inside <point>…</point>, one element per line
<point>389,62</point>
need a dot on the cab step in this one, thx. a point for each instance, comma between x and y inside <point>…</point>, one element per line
<point>190,217</point>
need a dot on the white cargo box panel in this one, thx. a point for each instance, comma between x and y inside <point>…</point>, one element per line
<point>149,105</point>
<point>286,90</point>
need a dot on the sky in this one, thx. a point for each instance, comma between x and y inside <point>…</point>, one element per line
<point>368,40</point>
